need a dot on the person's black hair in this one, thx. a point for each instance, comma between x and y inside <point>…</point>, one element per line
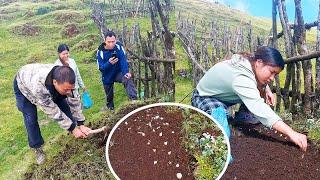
<point>62,47</point>
<point>109,34</point>
<point>269,56</point>
<point>64,74</point>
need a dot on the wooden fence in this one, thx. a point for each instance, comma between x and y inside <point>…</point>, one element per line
<point>212,42</point>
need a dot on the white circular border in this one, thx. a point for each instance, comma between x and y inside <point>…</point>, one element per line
<point>164,104</point>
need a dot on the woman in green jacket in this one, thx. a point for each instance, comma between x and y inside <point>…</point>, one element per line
<point>238,80</point>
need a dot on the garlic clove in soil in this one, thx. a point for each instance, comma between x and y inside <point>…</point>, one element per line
<point>165,143</point>
<point>155,162</point>
<point>160,134</point>
<point>142,133</point>
<point>169,153</point>
<point>177,165</point>
<point>149,124</point>
<point>154,150</point>
<point>179,175</point>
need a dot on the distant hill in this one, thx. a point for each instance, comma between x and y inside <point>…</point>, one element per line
<point>208,10</point>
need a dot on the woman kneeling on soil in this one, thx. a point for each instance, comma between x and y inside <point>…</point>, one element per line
<point>238,80</point>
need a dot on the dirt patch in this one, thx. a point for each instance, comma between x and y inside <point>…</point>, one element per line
<point>89,43</point>
<point>71,30</point>
<point>27,30</point>
<point>148,145</point>
<point>69,17</point>
<point>259,153</point>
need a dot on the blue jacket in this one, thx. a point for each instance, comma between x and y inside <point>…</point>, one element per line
<point>109,71</point>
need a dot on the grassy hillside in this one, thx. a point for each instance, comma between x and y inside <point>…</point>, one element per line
<point>204,10</point>
<point>31,31</point>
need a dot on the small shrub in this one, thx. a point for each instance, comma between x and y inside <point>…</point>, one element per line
<point>43,10</point>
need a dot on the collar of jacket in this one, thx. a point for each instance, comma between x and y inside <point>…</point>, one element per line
<point>56,96</point>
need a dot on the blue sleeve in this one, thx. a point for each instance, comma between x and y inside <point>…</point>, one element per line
<point>123,61</point>
<point>101,64</point>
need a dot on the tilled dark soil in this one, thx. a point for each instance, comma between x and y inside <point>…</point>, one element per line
<point>148,146</point>
<point>259,153</point>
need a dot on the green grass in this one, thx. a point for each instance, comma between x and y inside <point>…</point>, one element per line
<point>211,156</point>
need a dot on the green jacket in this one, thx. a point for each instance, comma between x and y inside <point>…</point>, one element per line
<point>233,81</point>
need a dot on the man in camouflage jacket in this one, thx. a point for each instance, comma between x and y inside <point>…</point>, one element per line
<point>51,89</point>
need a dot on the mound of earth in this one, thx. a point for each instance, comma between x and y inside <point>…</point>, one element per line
<point>89,43</point>
<point>260,153</point>
<point>69,17</point>
<point>71,30</point>
<point>27,30</point>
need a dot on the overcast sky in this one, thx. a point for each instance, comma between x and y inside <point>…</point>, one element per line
<point>263,8</point>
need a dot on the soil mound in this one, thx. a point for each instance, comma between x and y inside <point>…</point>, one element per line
<point>27,30</point>
<point>71,30</point>
<point>69,17</point>
<point>89,43</point>
<point>260,153</point>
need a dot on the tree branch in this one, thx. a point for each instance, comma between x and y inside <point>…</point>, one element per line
<point>311,55</point>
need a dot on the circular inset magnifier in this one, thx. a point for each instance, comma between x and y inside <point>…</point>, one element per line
<point>167,141</point>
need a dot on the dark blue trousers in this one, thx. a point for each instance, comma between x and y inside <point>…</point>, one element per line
<point>128,85</point>
<point>30,116</point>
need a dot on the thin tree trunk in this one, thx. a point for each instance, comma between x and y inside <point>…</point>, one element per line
<point>307,67</point>
<point>289,49</point>
<point>318,66</point>
<point>275,45</point>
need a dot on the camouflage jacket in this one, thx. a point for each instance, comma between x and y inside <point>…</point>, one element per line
<point>31,82</point>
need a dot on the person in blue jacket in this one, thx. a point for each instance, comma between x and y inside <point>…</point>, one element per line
<point>113,64</point>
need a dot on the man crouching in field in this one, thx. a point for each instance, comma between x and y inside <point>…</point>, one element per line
<point>51,88</point>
